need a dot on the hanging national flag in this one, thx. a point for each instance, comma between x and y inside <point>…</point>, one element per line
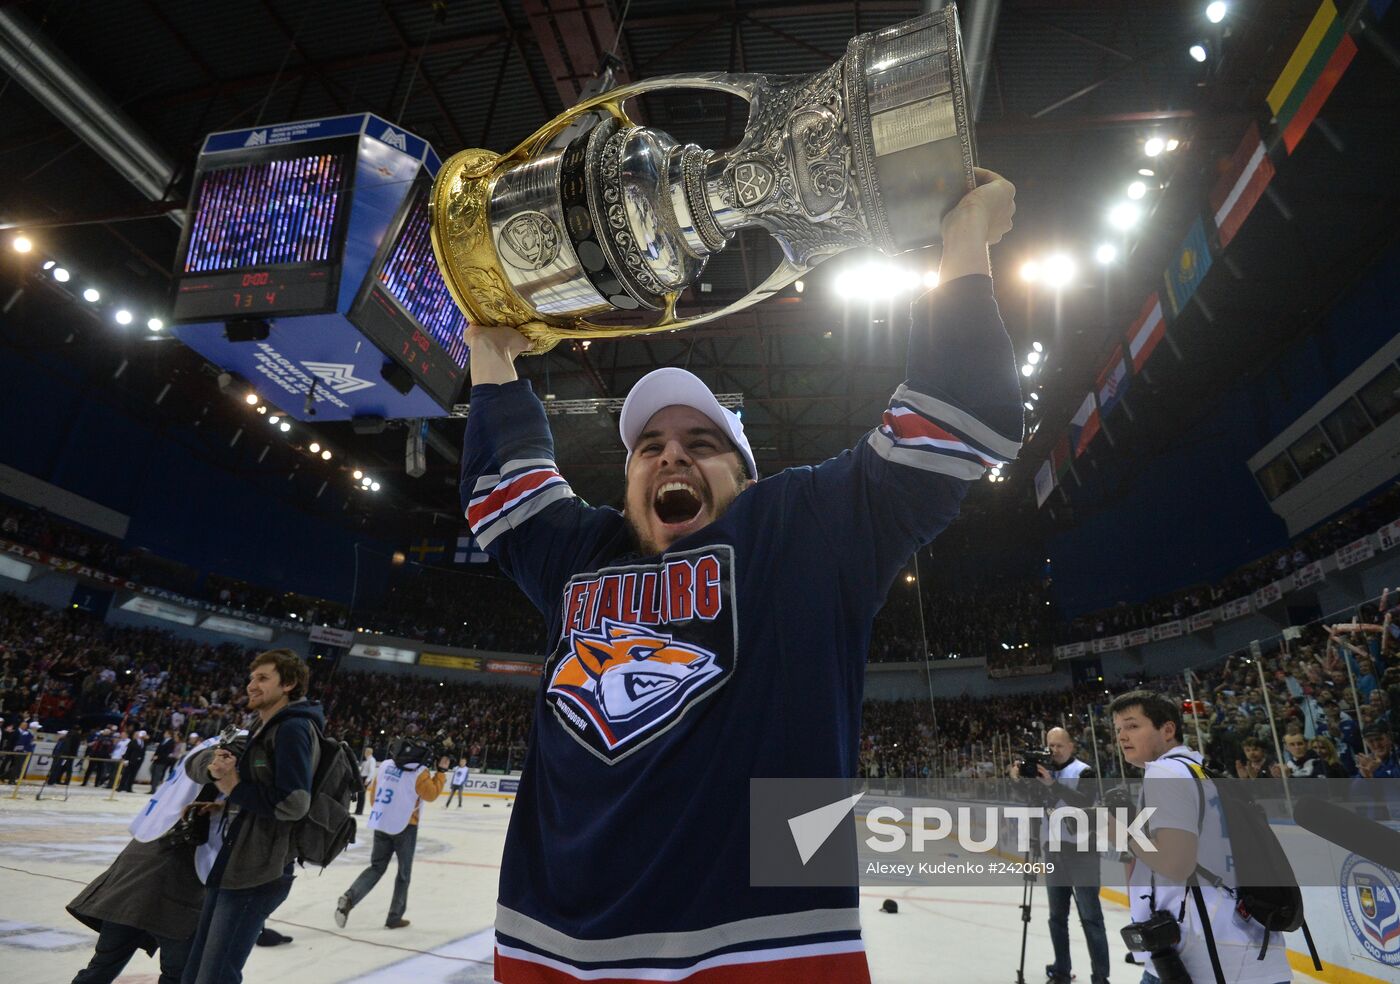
<point>1113,381</point>
<point>427,551</point>
<point>1044,483</point>
<point>1314,70</point>
<point>469,552</point>
<point>1189,269</point>
<point>1084,424</point>
<point>1146,332</point>
<point>1239,188</point>
<point>1060,457</point>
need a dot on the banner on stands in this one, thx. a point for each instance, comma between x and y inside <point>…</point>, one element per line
<point>65,566</point>
<point>1389,534</point>
<point>1200,621</point>
<point>1267,595</point>
<point>1137,637</point>
<point>1236,608</point>
<point>513,666</point>
<point>1167,630</point>
<point>1308,574</point>
<point>1355,552</point>
<point>450,661</point>
<point>327,636</point>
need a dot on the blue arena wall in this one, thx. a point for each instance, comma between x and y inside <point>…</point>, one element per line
<point>1194,513</point>
<point>190,497</point>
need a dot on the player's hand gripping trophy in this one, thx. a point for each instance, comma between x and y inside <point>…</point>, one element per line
<point>874,151</point>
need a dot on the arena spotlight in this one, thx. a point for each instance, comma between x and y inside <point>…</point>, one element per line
<point>931,279</point>
<point>374,487</point>
<point>357,474</point>
<point>1124,215</point>
<point>22,244</point>
<point>92,295</point>
<point>1030,271</point>
<point>325,456</point>
<point>315,448</point>
<point>251,399</point>
<point>155,324</point>
<point>799,286</point>
<point>1057,271</point>
<point>1037,346</point>
<point>1154,146</point>
<point>1198,52</point>
<point>122,317</point>
<point>1033,358</point>
<point>1029,405</point>
<point>1215,12</point>
<point>1147,172</point>
<point>1035,396</point>
<point>274,420</point>
<point>1106,253</point>
<point>1172,144</point>
<point>875,281</point>
<point>1027,370</point>
<point>284,427</point>
<point>263,409</point>
<point>1137,189</point>
<point>61,275</point>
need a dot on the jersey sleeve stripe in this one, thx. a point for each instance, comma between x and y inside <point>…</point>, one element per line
<point>958,421</point>
<point>966,467</point>
<point>523,509</point>
<point>508,493</point>
<point>908,427</point>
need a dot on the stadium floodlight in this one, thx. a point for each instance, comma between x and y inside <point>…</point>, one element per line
<point>1198,52</point>
<point>1058,270</point>
<point>22,244</point>
<point>799,286</point>
<point>357,474</point>
<point>155,324</point>
<point>315,448</point>
<point>61,275</point>
<point>1106,253</point>
<point>1172,144</point>
<point>274,420</point>
<point>875,281</point>
<point>1035,396</point>
<point>284,427</point>
<point>1027,370</point>
<point>49,265</point>
<point>374,487</point>
<point>122,317</point>
<point>931,279</point>
<point>1215,12</point>
<point>1124,215</point>
<point>1029,405</point>
<point>1137,189</point>
<point>251,399</point>
<point>1154,146</point>
<point>92,295</point>
<point>325,456</point>
<point>1030,271</point>
<point>1037,346</point>
<point>1033,357</point>
<point>1147,172</point>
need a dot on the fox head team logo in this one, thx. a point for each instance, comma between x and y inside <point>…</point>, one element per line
<point>640,647</point>
<point>1371,903</point>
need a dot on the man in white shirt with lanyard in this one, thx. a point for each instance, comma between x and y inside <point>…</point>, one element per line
<point>460,775</point>
<point>1185,834</point>
<point>399,788</point>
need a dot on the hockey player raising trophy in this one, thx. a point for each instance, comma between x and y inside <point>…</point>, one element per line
<point>603,235</point>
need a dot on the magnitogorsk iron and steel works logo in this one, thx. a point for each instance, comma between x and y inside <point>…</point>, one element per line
<point>641,646</point>
<point>1371,903</point>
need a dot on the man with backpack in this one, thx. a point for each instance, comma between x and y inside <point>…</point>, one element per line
<point>266,796</point>
<point>400,788</point>
<point>1188,833</point>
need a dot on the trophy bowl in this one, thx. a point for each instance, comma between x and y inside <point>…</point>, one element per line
<point>873,151</point>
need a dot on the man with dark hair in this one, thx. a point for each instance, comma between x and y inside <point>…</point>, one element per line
<point>714,630</point>
<point>1186,831</point>
<point>268,792</point>
<point>1257,762</point>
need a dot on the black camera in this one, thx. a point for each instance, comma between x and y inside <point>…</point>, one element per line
<point>1030,759</point>
<point>1158,935</point>
<point>1120,798</point>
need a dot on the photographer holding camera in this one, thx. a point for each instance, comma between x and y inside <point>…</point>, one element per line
<point>1174,928</point>
<point>396,794</point>
<point>1076,873</point>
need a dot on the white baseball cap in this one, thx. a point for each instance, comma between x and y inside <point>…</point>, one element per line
<point>675,387</point>
<point>34,724</point>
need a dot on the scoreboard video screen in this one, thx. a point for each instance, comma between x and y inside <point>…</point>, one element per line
<point>264,235</point>
<point>404,306</point>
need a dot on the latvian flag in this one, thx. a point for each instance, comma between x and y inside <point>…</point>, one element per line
<point>1084,425</point>
<point>1146,332</point>
<point>1113,381</point>
<point>1314,70</point>
<point>1239,188</point>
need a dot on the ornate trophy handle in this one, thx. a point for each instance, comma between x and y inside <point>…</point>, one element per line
<point>747,86</point>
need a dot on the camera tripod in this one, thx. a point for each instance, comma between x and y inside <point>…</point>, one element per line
<point>1027,889</point>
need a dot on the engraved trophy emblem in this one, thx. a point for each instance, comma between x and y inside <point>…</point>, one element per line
<point>873,151</point>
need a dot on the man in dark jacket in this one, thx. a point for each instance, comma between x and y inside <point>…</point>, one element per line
<point>134,755</point>
<point>61,771</point>
<point>163,760</point>
<point>268,793</point>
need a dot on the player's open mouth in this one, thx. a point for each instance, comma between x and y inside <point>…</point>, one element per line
<point>677,503</point>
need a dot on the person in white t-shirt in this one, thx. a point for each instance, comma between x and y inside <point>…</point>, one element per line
<point>1148,726</point>
<point>460,775</point>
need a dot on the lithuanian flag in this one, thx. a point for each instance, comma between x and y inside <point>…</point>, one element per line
<point>1311,74</point>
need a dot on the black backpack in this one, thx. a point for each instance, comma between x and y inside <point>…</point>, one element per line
<point>1258,859</point>
<point>329,827</point>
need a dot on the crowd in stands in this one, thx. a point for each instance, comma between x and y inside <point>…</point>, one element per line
<point>961,621</point>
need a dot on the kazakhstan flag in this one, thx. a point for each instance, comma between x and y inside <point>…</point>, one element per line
<point>1189,269</point>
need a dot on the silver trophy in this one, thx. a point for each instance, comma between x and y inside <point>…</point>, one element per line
<point>874,151</point>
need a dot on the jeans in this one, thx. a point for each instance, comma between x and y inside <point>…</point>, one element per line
<point>229,925</point>
<point>457,792</point>
<point>1086,900</point>
<point>116,944</point>
<point>400,845</point>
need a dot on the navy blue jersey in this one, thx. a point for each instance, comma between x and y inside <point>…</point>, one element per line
<point>739,652</point>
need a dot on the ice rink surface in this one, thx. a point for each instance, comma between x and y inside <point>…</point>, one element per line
<point>50,849</point>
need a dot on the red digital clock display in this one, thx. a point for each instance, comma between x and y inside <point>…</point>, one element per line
<point>247,292</point>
